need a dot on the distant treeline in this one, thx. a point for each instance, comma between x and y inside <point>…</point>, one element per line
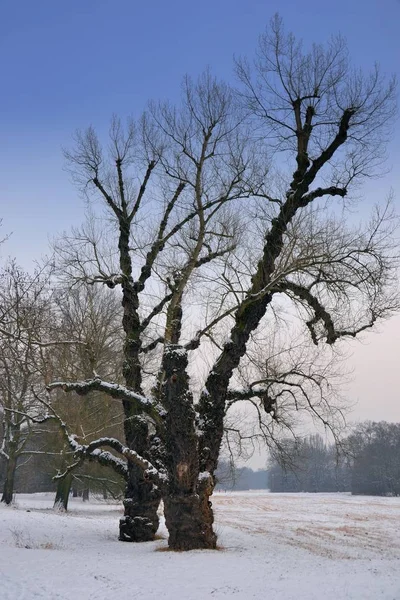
<point>230,477</point>
<point>368,462</point>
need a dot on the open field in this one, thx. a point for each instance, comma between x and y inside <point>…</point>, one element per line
<point>329,525</point>
<point>274,546</point>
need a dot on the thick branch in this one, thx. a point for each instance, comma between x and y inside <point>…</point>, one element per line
<point>117,211</point>
<point>114,390</point>
<point>195,342</point>
<point>94,450</point>
<point>160,241</point>
<point>321,314</point>
<point>156,311</point>
<point>142,190</point>
<point>152,345</point>
<point>320,192</point>
<point>327,154</point>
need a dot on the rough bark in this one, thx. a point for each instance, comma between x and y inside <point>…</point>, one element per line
<point>140,521</point>
<point>188,513</point>
<point>189,519</point>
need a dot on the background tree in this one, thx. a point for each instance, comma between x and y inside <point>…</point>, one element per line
<point>90,320</point>
<point>375,452</point>
<point>368,463</point>
<point>229,477</point>
<point>309,465</point>
<point>24,312</point>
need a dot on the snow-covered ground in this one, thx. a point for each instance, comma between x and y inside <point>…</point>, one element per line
<point>273,547</point>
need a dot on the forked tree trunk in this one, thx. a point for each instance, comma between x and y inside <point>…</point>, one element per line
<point>188,512</point>
<point>62,492</point>
<point>8,489</point>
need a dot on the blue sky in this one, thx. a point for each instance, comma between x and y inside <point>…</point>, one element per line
<point>65,65</point>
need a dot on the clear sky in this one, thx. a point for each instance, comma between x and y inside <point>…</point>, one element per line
<point>65,65</point>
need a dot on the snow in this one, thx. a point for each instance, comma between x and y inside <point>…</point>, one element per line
<point>277,546</point>
<point>110,458</point>
<point>175,349</point>
<point>113,389</point>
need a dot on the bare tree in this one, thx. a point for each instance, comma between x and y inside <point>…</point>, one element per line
<point>45,334</point>
<point>24,314</point>
<point>314,466</point>
<point>374,458</point>
<point>330,124</point>
<point>92,319</point>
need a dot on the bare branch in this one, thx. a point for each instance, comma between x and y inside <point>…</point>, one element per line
<point>114,390</point>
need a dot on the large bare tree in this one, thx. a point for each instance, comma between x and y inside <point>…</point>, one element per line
<point>325,125</point>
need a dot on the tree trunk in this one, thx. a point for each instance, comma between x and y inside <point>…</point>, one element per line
<point>85,495</point>
<point>8,488</point>
<point>62,492</point>
<point>188,512</point>
<point>140,521</point>
<point>189,520</point>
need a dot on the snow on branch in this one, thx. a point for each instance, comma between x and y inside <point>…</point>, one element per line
<point>111,389</point>
<point>69,469</point>
<point>3,453</point>
<point>94,450</point>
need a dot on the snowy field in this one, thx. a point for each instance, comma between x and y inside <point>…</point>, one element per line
<point>273,547</point>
